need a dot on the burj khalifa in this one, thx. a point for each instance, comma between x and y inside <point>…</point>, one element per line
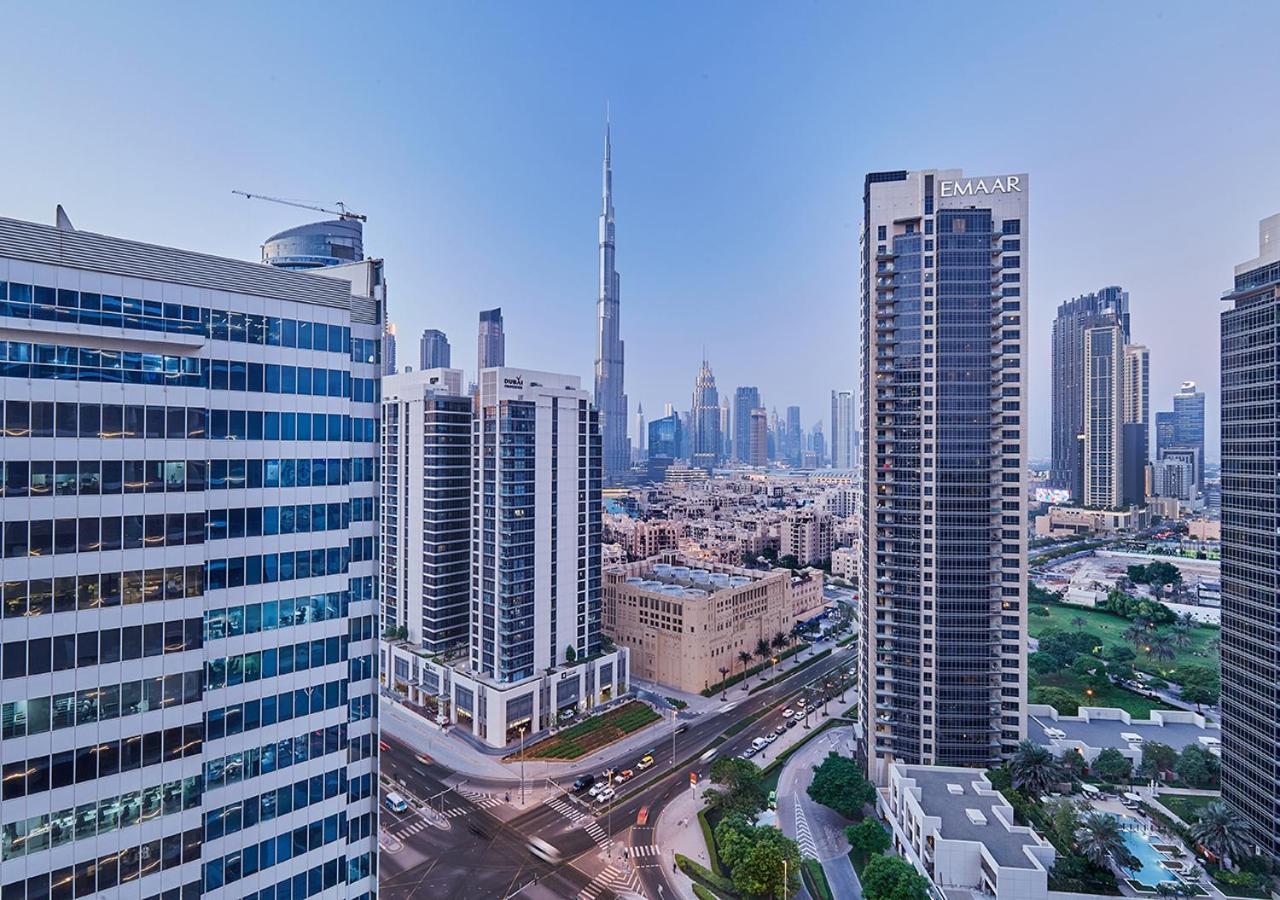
<point>611,401</point>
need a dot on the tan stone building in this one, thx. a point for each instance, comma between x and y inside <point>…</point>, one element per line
<point>682,621</point>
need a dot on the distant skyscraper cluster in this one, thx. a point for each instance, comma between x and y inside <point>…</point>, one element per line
<point>943,650</point>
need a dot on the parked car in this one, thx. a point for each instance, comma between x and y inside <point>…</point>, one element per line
<point>788,713</point>
<point>582,782</point>
<point>771,737</point>
<point>791,723</point>
<point>781,729</point>
<point>749,752</point>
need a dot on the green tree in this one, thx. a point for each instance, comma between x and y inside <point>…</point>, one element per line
<point>1042,663</point>
<point>868,836</point>
<point>1100,840</point>
<point>838,783</point>
<point>1157,758</point>
<point>733,836</point>
<point>1073,763</point>
<point>759,872</point>
<point>1112,765</point>
<point>893,878</point>
<point>1200,694</point>
<point>1035,770</point>
<point>1159,648</point>
<point>570,654</point>
<point>1161,573</point>
<point>739,786</point>
<point>1197,767</point>
<point>788,561</point>
<point>1064,702</point>
<point>1065,646</point>
<point>1221,832</point>
<point>1119,653</point>
<point>764,654</point>
<point>1064,821</point>
<point>745,659</point>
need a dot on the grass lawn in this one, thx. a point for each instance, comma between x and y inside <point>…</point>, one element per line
<point>1137,706</point>
<point>1186,807</point>
<point>593,733</point>
<point>816,880</point>
<point>1110,628</point>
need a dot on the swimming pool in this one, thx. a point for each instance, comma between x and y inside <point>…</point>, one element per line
<point>1149,871</point>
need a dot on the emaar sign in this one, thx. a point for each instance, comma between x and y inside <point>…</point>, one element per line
<point>972,187</point>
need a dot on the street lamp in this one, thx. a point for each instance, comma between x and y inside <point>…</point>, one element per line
<point>522,727</point>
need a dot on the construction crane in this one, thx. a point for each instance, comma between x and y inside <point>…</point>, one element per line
<point>341,212</point>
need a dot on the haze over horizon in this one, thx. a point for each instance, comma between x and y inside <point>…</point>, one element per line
<point>472,136</point>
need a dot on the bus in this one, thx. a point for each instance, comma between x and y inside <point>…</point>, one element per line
<point>396,803</point>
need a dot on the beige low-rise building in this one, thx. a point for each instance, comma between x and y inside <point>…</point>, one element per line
<point>808,535</point>
<point>1204,529</point>
<point>844,564</point>
<point>805,590</point>
<point>1066,521</point>
<point>682,620</point>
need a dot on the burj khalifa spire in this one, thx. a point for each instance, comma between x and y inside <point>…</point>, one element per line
<point>611,401</point>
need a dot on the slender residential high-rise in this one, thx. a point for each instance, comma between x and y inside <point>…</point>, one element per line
<point>745,399</point>
<point>491,344</point>
<point>389,349</point>
<point>189,543</point>
<point>640,431</point>
<point>1110,304</point>
<point>704,419</point>
<point>1103,446</point>
<point>757,437</point>
<point>795,439</point>
<point>1135,428</point>
<point>611,401</point>
<point>943,561</point>
<point>426,516</point>
<point>434,351</point>
<point>1250,556</point>
<point>843,435</point>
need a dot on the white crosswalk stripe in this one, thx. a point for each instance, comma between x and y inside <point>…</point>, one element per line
<point>803,836</point>
<point>646,850</point>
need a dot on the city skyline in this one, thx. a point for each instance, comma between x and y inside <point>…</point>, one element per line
<point>720,230</point>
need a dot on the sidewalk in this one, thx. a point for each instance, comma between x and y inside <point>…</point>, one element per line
<point>678,831</point>
<point>458,754</point>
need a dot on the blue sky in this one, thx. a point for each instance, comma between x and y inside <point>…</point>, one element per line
<point>471,135</point>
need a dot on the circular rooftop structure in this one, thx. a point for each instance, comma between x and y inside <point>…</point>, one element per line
<point>316,246</point>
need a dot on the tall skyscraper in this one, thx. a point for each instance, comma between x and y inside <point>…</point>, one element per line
<point>1110,304</point>
<point>705,420</point>
<point>640,430</point>
<point>434,351</point>
<point>795,441</point>
<point>1164,432</point>
<point>843,438</point>
<point>757,438</point>
<point>389,349</point>
<point>611,400</point>
<point>1135,411</point>
<point>426,513</point>
<point>1188,422</point>
<point>943,649</point>
<point>189,559</point>
<point>491,346</point>
<point>1103,416</point>
<point>726,429</point>
<point>745,399</point>
<point>665,444</point>
<point>1250,556</point>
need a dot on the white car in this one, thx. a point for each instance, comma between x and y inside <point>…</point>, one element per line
<point>771,737</point>
<point>606,795</point>
<point>788,713</point>
<point>598,788</point>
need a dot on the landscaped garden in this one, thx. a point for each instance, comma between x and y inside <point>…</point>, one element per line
<point>1187,807</point>
<point>591,734</point>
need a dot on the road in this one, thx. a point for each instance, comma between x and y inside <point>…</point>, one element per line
<point>604,849</point>
<point>818,830</point>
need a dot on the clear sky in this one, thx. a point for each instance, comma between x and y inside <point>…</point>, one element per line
<point>471,136</point>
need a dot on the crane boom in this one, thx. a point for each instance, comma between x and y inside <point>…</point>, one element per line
<point>341,212</point>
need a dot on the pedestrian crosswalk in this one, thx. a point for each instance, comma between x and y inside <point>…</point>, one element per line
<point>646,850</point>
<point>804,837</point>
<point>409,830</point>
<point>598,834</point>
<point>568,810</point>
<point>617,877</point>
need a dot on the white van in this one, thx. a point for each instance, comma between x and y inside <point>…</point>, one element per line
<point>396,803</point>
<point>759,744</point>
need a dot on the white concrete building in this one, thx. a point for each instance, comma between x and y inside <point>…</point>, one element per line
<point>957,830</point>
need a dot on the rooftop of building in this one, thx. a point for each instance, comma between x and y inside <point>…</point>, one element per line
<point>950,794</point>
<point>45,244</point>
<point>689,579</point>
<point>1102,728</point>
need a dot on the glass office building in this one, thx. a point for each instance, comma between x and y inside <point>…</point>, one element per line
<point>944,293</point>
<point>1250,554</point>
<point>316,246</point>
<point>188,449</point>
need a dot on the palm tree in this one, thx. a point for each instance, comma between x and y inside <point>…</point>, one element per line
<point>1221,832</point>
<point>1135,634</point>
<point>1213,645</point>
<point>779,643</point>
<point>1078,622</point>
<point>1160,648</point>
<point>724,688</point>
<point>745,658</point>
<point>763,653</point>
<point>797,634</point>
<point>1188,620</point>
<point>1035,770</point>
<point>1181,636</point>
<point>1100,841</point>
